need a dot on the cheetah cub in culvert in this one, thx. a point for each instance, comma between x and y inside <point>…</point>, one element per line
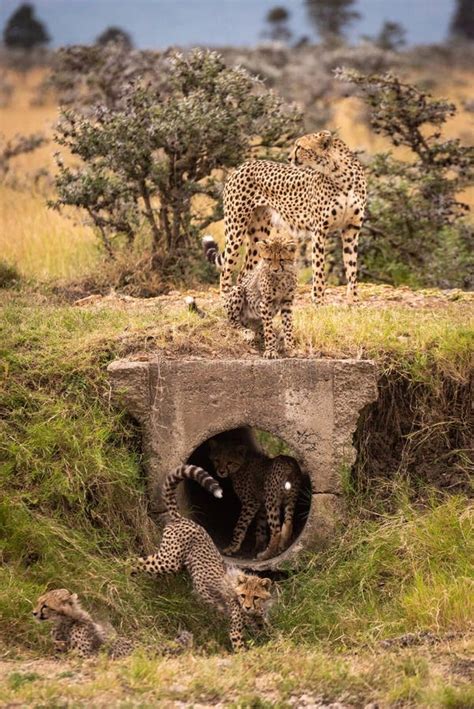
<point>265,291</point>
<point>265,486</point>
<point>74,629</point>
<point>187,545</point>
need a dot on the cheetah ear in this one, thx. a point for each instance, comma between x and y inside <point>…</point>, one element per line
<point>241,578</point>
<point>267,583</point>
<point>74,597</point>
<point>326,139</point>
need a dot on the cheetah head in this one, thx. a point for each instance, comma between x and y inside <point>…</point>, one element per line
<point>254,593</point>
<point>226,459</point>
<point>278,250</point>
<point>321,151</point>
<point>55,604</point>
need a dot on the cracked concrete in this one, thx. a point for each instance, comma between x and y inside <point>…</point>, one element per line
<point>313,405</point>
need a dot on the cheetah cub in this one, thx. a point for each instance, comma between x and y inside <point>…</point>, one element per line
<point>265,291</point>
<point>265,487</point>
<point>74,629</point>
<point>243,598</point>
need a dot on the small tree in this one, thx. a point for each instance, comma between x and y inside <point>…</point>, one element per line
<point>19,145</point>
<point>331,18</point>
<point>462,24</point>
<point>415,229</point>
<point>24,31</point>
<point>84,76</point>
<point>115,35</point>
<point>148,158</point>
<point>277,21</point>
<point>392,36</point>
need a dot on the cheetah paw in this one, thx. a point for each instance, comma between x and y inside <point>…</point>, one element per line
<point>270,354</point>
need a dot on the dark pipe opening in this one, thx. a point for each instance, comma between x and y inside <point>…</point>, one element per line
<point>219,516</point>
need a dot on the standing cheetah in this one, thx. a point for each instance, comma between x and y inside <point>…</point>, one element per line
<point>74,629</point>
<point>185,544</point>
<point>324,189</point>
<point>264,291</point>
<point>264,487</point>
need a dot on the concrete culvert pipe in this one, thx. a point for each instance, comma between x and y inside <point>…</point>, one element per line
<point>310,405</point>
<point>219,517</point>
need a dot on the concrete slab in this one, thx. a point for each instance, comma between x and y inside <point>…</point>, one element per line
<point>312,405</point>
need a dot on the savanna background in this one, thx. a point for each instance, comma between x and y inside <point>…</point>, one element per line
<point>118,128</point>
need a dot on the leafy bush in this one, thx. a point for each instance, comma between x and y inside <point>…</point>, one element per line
<point>19,145</point>
<point>9,275</point>
<point>415,230</point>
<point>145,158</point>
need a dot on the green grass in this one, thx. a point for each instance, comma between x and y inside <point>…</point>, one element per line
<point>400,573</point>
<point>73,510</point>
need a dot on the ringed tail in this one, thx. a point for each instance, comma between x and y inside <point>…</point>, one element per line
<point>187,472</point>
<point>211,251</point>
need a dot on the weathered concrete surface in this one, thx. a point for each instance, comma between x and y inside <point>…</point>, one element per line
<point>313,405</point>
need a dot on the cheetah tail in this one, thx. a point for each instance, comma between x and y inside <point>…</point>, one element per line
<point>211,251</point>
<point>187,472</point>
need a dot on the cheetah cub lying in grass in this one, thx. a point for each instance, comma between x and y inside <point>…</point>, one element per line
<point>74,629</point>
<point>185,544</point>
<point>264,487</point>
<point>265,291</point>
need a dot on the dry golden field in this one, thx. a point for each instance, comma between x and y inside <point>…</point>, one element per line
<point>45,245</point>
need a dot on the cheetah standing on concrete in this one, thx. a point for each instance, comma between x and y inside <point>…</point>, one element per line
<point>74,629</point>
<point>264,291</point>
<point>185,544</point>
<point>323,190</point>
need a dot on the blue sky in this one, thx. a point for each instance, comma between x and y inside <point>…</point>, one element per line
<point>160,23</point>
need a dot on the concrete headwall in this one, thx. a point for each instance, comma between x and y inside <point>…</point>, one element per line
<point>312,405</point>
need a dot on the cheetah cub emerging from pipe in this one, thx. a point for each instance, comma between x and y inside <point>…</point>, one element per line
<point>186,545</point>
<point>265,487</point>
<point>74,629</point>
<point>265,291</point>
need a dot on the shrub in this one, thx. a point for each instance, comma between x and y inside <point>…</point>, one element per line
<point>19,145</point>
<point>415,225</point>
<point>165,145</point>
<point>9,275</point>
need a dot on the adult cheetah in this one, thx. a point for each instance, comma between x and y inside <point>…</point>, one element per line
<point>322,189</point>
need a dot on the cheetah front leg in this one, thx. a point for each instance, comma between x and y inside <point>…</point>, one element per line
<point>287,320</point>
<point>269,337</point>
<point>233,303</point>
<point>259,227</point>
<point>82,642</point>
<point>236,631</point>
<point>235,225</point>
<point>248,511</point>
<point>317,255</point>
<point>350,238</point>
